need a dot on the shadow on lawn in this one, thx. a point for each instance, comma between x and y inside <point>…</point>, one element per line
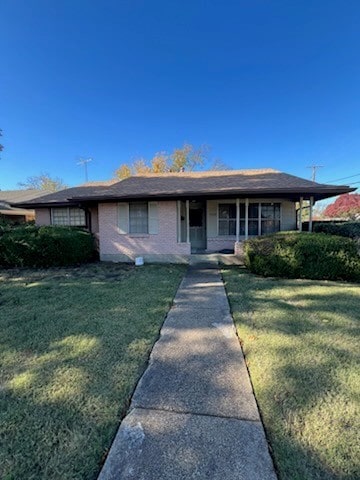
<point>305,323</point>
<point>68,370</point>
<point>79,420</point>
<point>85,419</point>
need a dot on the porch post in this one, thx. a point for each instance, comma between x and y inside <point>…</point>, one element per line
<point>178,209</point>
<point>246,218</point>
<point>187,221</point>
<point>300,214</point>
<point>237,219</point>
<point>311,214</point>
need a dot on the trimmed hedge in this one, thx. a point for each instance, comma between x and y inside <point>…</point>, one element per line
<point>32,246</point>
<point>303,255</point>
<point>348,229</point>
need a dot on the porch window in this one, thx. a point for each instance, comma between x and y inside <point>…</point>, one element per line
<point>253,219</point>
<point>242,219</point>
<point>270,218</point>
<point>68,216</point>
<point>138,217</point>
<point>263,218</point>
<point>227,219</point>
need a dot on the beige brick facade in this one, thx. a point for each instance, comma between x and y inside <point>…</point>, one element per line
<point>163,245</point>
<point>115,244</point>
<point>215,244</point>
<point>42,216</point>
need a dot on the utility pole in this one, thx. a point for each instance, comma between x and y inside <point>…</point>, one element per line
<point>314,168</point>
<point>83,162</point>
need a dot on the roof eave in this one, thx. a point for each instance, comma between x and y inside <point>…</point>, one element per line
<point>31,206</point>
<point>318,193</point>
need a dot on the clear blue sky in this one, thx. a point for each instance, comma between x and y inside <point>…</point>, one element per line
<point>264,83</point>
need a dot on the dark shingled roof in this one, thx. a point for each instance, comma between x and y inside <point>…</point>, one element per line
<point>265,182</point>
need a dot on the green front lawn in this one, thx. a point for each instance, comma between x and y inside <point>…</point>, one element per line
<point>301,342</point>
<point>73,343</point>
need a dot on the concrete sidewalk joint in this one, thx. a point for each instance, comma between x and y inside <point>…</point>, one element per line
<point>193,414</point>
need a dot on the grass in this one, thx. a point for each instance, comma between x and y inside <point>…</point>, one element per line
<point>301,342</point>
<point>73,343</point>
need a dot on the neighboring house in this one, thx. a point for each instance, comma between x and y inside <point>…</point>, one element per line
<point>167,217</point>
<point>16,214</point>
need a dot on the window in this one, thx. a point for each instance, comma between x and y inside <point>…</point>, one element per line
<point>263,218</point>
<point>68,216</point>
<point>138,217</point>
<point>59,216</point>
<point>196,217</point>
<point>253,219</point>
<point>270,218</point>
<point>242,219</point>
<point>227,219</point>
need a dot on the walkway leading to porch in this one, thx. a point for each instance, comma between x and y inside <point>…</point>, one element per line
<point>215,259</point>
<point>193,413</point>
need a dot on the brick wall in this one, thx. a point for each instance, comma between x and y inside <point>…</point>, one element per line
<point>42,216</point>
<point>215,244</point>
<point>94,219</point>
<point>165,242</point>
<point>239,249</point>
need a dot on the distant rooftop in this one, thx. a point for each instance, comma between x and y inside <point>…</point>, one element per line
<point>10,196</point>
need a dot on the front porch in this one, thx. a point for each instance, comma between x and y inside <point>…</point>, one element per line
<point>210,226</point>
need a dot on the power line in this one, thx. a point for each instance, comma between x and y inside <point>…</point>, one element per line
<point>314,168</point>
<point>343,178</point>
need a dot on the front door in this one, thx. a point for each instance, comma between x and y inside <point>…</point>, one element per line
<point>197,226</point>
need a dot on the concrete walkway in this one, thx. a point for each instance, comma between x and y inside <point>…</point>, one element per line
<point>193,414</point>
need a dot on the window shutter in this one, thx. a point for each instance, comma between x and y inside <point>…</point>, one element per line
<point>123,218</point>
<point>153,218</point>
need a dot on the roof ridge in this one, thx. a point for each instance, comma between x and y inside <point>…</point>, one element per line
<point>99,183</point>
<point>208,173</point>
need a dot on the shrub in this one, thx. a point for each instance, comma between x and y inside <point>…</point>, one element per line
<point>347,229</point>
<point>32,246</point>
<point>7,225</point>
<point>303,255</point>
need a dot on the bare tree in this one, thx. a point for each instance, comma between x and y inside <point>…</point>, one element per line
<point>187,158</point>
<point>43,182</point>
<point>218,164</point>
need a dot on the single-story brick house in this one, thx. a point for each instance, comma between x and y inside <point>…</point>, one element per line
<point>168,217</point>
